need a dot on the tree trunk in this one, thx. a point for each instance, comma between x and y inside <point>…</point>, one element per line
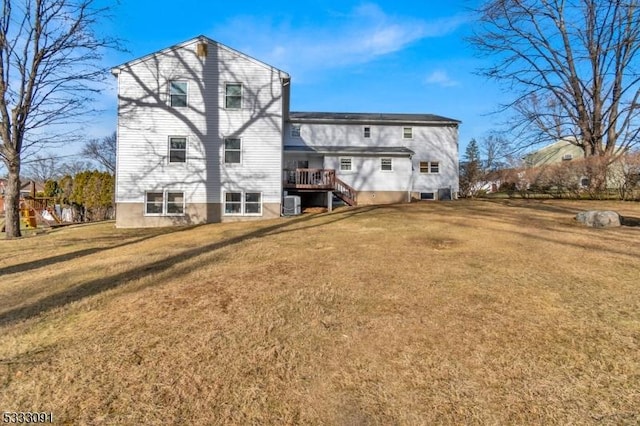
<point>12,201</point>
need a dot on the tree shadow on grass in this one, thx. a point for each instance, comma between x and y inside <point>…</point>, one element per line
<point>100,285</point>
<point>49,261</point>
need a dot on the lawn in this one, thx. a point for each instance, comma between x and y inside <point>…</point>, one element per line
<point>467,312</point>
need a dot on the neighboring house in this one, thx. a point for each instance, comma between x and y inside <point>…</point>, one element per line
<point>205,135</point>
<point>554,153</point>
<point>567,161</point>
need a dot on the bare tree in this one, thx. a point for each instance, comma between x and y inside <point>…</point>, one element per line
<point>49,69</point>
<point>42,168</point>
<point>573,65</point>
<point>496,150</point>
<point>103,151</point>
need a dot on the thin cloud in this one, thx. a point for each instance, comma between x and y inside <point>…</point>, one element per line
<point>359,36</point>
<point>441,78</point>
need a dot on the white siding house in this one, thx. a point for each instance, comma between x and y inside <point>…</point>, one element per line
<point>384,157</point>
<point>205,135</point>
<point>199,136</point>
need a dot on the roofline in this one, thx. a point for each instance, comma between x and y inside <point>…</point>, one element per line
<point>364,120</point>
<point>320,151</point>
<point>116,70</point>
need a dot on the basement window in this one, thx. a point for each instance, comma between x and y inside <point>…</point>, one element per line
<point>427,195</point>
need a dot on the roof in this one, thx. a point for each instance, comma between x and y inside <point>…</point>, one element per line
<point>350,150</point>
<point>201,38</point>
<point>360,117</point>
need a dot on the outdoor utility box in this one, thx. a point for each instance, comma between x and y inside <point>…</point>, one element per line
<point>292,205</point>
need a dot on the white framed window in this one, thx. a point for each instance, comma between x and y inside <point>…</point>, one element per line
<point>164,203</point>
<point>366,132</point>
<point>154,203</point>
<point>239,203</point>
<point>175,203</point>
<point>427,195</point>
<point>386,164</point>
<point>346,164</point>
<point>233,203</point>
<point>233,96</point>
<point>177,149</point>
<point>178,93</point>
<point>232,151</point>
<point>295,130</point>
<point>429,167</point>
<point>252,203</point>
<point>407,133</point>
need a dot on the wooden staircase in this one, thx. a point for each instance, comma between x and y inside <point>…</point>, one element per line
<point>345,192</point>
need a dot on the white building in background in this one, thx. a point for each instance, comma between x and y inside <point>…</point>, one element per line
<point>205,135</point>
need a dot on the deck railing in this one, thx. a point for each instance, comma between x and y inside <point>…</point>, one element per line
<point>309,178</point>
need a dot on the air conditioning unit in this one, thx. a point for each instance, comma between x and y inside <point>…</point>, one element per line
<point>567,157</point>
<point>291,205</point>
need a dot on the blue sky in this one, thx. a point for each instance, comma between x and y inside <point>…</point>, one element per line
<point>343,56</point>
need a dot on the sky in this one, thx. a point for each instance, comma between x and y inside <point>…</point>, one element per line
<point>343,56</point>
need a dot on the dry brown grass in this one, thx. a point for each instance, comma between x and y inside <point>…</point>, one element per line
<point>470,312</point>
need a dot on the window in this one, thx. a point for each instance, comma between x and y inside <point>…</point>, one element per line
<point>345,164</point>
<point>232,151</point>
<point>429,167</point>
<point>427,196</point>
<point>253,203</point>
<point>237,203</point>
<point>233,96</point>
<point>166,203</point>
<point>407,133</point>
<point>178,93</point>
<point>154,203</point>
<point>367,132</point>
<point>295,130</point>
<point>233,203</point>
<point>386,165</point>
<point>177,149</point>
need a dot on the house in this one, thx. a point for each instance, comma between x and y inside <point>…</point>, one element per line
<point>205,135</point>
<point>563,164</point>
<point>557,152</point>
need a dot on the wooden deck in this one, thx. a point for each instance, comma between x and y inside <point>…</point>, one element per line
<point>319,180</point>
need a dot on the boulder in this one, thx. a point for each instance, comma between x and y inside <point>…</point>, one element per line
<point>599,218</point>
